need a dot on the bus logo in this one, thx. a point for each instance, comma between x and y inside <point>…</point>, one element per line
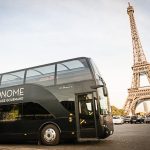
<point>11,95</point>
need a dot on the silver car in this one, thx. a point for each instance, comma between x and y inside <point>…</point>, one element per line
<point>118,120</point>
<point>147,119</point>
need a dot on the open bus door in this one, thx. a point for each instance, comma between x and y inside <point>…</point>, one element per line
<point>86,116</point>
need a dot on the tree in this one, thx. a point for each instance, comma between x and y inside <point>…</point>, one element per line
<point>117,112</point>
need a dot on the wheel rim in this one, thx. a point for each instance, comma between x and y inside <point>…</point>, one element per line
<point>50,135</point>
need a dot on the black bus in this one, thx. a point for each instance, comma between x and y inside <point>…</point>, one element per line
<point>62,100</point>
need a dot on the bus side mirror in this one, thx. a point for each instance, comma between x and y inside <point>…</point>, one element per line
<point>105,91</point>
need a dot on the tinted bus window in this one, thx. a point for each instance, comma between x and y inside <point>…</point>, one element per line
<point>13,78</point>
<point>72,71</point>
<point>37,113</point>
<point>10,112</point>
<point>69,105</point>
<point>41,75</point>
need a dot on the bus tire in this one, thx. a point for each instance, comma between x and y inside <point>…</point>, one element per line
<point>50,135</point>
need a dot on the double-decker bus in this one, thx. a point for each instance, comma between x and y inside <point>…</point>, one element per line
<point>62,100</point>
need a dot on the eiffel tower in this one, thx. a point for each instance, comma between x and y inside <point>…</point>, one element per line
<point>137,94</point>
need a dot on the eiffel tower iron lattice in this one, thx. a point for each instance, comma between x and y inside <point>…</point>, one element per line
<point>137,94</point>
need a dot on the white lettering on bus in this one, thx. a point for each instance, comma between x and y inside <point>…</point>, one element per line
<point>12,93</point>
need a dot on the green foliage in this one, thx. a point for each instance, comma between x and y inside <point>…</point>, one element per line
<point>117,112</point>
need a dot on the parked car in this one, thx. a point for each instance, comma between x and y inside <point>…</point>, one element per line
<point>118,120</point>
<point>147,119</point>
<point>137,119</point>
<point>133,119</point>
<point>127,119</point>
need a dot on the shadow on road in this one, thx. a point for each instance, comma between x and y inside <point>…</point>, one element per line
<point>62,146</point>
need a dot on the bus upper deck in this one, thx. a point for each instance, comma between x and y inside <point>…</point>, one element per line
<point>72,70</point>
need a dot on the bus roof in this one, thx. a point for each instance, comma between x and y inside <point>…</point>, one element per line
<point>45,64</point>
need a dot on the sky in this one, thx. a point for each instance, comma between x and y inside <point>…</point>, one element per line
<point>35,32</point>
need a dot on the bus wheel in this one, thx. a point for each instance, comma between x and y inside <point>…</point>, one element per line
<point>50,135</point>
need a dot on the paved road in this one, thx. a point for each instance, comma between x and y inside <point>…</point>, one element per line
<point>126,137</point>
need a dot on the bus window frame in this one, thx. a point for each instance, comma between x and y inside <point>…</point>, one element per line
<point>88,67</point>
<point>34,69</point>
<point>11,73</point>
<point>87,60</point>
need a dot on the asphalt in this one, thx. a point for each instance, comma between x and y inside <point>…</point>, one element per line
<point>125,137</point>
